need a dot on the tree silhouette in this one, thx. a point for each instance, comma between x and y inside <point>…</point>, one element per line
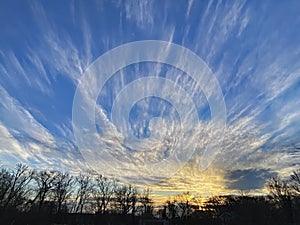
<point>146,202</point>
<point>295,181</point>
<point>171,207</point>
<point>126,199</point>
<point>5,184</point>
<point>84,191</point>
<point>282,197</point>
<point>50,193</point>
<point>104,191</point>
<point>45,181</point>
<point>183,204</point>
<point>62,189</point>
<point>13,186</point>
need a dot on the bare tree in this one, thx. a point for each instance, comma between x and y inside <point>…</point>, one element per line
<point>126,199</point>
<point>146,202</point>
<point>14,186</point>
<point>295,181</point>
<point>104,191</point>
<point>171,207</point>
<point>218,205</point>
<point>282,196</point>
<point>183,204</point>
<point>84,191</point>
<point>178,207</point>
<point>5,184</point>
<point>45,181</point>
<point>280,191</point>
<point>62,189</point>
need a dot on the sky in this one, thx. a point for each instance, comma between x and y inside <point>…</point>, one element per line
<point>52,81</point>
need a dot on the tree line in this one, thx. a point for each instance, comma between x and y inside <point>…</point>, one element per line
<point>30,196</point>
<point>280,206</point>
<point>47,192</point>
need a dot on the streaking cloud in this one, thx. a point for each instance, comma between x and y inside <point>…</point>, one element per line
<point>251,48</point>
<point>177,147</point>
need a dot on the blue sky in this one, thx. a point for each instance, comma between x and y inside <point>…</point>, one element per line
<point>251,47</point>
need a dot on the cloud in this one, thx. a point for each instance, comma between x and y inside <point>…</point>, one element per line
<point>24,139</point>
<point>10,150</point>
<point>248,179</point>
<point>190,3</point>
<point>140,12</point>
<point>20,121</point>
<point>253,59</point>
<point>244,162</point>
<point>57,49</point>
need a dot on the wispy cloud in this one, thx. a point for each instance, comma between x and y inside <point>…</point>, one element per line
<point>255,61</point>
<point>190,4</point>
<point>140,12</point>
<point>11,152</point>
<point>25,140</point>
<point>57,50</point>
<point>19,119</point>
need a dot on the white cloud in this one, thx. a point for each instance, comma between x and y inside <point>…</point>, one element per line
<point>24,139</point>
<point>190,3</point>
<point>267,76</point>
<point>10,149</point>
<point>20,120</point>
<point>141,12</point>
<point>57,49</point>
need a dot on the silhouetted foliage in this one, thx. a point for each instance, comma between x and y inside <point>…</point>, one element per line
<point>103,193</point>
<point>281,196</point>
<point>13,188</point>
<point>45,181</point>
<point>62,189</point>
<point>126,199</point>
<point>53,197</point>
<point>146,204</point>
<point>84,192</point>
<point>295,182</point>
